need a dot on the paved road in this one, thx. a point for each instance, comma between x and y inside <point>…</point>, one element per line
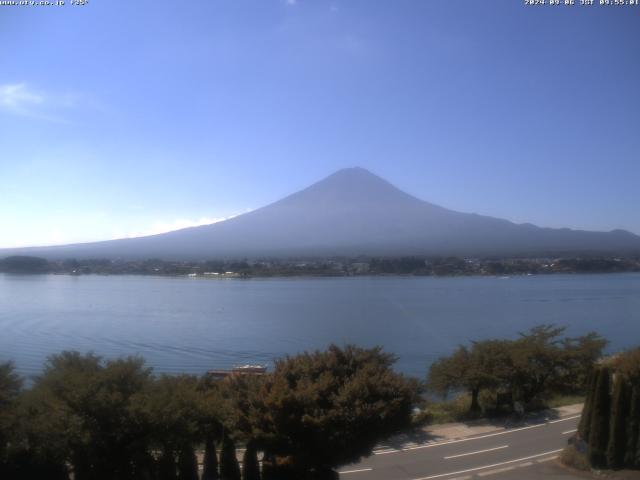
<point>547,470</point>
<point>499,453</point>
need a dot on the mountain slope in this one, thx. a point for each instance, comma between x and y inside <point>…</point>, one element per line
<point>351,212</point>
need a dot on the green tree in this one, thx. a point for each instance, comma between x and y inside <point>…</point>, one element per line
<point>631,457</point>
<point>269,467</point>
<point>10,388</point>
<point>348,398</point>
<point>229,467</point>
<point>580,356</point>
<point>526,369</point>
<point>538,361</point>
<point>587,410</point>
<point>41,438</point>
<point>628,364</point>
<point>599,430</point>
<point>210,463</point>
<point>618,423</point>
<point>187,464</point>
<point>89,403</point>
<point>486,365</point>
<point>171,407</point>
<point>167,467</point>
<point>250,465</point>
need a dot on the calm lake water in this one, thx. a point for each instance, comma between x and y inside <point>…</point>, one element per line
<point>192,325</point>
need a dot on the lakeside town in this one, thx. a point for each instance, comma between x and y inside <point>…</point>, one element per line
<point>335,267</point>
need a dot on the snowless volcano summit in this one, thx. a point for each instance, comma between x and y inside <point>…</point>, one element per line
<point>351,212</point>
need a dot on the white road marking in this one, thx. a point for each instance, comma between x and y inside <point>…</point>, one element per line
<point>489,466</point>
<point>384,452</point>
<point>525,464</point>
<point>542,460</point>
<point>564,419</point>
<point>497,470</point>
<point>479,451</point>
<point>449,442</point>
<point>570,431</point>
<point>356,471</point>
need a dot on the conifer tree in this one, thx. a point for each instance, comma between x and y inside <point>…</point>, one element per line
<point>210,467</point>
<point>229,468</point>
<point>250,465</point>
<point>599,430</point>
<point>145,467</point>
<point>633,429</point>
<point>635,449</point>
<point>636,464</point>
<point>187,464</point>
<point>167,466</point>
<point>587,409</point>
<point>268,467</point>
<point>618,423</point>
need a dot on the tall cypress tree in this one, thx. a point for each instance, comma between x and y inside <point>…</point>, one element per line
<point>636,464</point>
<point>145,467</point>
<point>269,467</point>
<point>167,466</point>
<point>250,465</point>
<point>633,429</point>
<point>585,420</point>
<point>187,464</point>
<point>229,467</point>
<point>210,470</point>
<point>618,426</point>
<point>599,429</point>
<point>636,460</point>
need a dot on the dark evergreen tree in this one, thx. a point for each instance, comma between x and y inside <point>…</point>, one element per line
<point>187,464</point>
<point>250,465</point>
<point>618,423</point>
<point>633,429</point>
<point>268,467</point>
<point>210,467</point>
<point>10,387</point>
<point>636,464</point>
<point>587,409</point>
<point>167,466</point>
<point>144,467</point>
<point>229,467</point>
<point>30,465</point>
<point>599,430</point>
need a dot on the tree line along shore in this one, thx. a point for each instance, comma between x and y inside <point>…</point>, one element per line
<point>419,266</point>
<point>85,417</point>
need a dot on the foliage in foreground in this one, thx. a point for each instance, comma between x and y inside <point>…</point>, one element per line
<point>344,398</point>
<point>609,431</point>
<point>524,371</point>
<point>107,420</point>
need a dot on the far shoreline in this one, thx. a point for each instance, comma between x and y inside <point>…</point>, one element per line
<point>312,276</point>
<point>417,266</point>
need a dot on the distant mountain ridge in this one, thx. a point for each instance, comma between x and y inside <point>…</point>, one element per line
<point>351,212</point>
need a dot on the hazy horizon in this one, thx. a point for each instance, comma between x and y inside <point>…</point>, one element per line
<point>134,119</point>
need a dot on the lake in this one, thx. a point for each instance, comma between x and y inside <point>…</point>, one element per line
<point>193,324</point>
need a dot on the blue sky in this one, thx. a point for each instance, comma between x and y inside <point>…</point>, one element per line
<point>122,118</point>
